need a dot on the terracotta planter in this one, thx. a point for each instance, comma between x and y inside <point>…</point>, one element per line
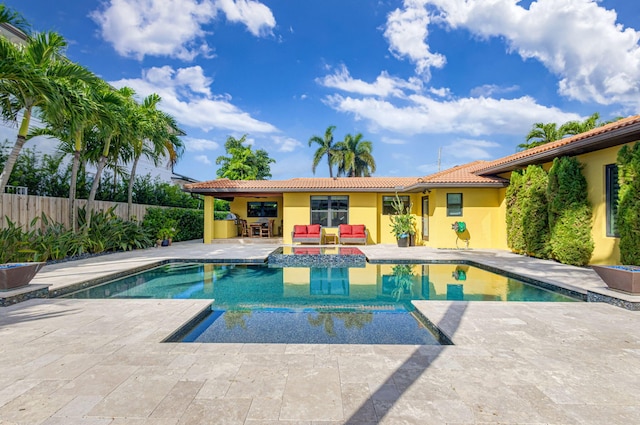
<point>15,275</point>
<point>620,278</point>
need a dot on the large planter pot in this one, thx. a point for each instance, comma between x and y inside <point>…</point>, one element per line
<point>620,278</point>
<point>403,242</point>
<point>15,275</point>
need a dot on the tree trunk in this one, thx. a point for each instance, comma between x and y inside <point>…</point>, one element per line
<point>72,190</point>
<point>94,189</point>
<point>329,161</point>
<point>130,189</point>
<point>13,156</point>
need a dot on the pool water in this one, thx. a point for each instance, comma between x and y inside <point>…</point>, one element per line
<point>371,304</point>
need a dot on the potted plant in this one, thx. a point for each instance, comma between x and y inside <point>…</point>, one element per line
<point>402,222</point>
<point>165,235</point>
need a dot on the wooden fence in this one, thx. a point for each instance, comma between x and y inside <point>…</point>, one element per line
<point>22,209</point>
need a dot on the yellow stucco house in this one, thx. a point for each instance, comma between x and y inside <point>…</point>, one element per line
<point>472,193</point>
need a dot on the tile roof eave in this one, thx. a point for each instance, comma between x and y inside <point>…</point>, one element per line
<point>598,141</point>
<point>248,191</point>
<point>443,185</point>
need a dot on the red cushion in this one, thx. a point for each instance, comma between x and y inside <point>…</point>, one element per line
<point>299,229</point>
<point>358,229</point>
<point>313,229</point>
<point>345,229</point>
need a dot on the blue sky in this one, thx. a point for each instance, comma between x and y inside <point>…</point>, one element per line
<point>464,77</point>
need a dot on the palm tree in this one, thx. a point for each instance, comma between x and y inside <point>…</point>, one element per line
<point>117,106</point>
<point>13,18</point>
<point>542,133</point>
<point>353,156</point>
<point>326,148</point>
<point>156,136</point>
<point>30,77</point>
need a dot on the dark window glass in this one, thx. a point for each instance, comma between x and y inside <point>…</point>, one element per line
<point>612,189</point>
<point>454,204</point>
<point>262,209</point>
<point>387,201</point>
<point>329,211</point>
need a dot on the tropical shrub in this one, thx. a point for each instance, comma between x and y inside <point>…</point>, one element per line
<point>628,217</point>
<point>515,231</point>
<point>570,213</point>
<point>187,222</point>
<point>47,240</point>
<point>535,221</point>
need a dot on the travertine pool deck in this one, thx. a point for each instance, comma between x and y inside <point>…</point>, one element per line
<point>71,361</point>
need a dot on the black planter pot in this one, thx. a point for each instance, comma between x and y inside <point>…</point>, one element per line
<point>403,242</point>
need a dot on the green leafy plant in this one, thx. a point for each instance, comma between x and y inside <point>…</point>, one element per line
<point>628,217</point>
<point>402,221</point>
<point>570,213</point>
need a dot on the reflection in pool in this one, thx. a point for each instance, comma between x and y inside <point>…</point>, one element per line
<point>371,304</point>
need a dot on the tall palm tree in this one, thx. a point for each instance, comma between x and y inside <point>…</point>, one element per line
<point>30,77</point>
<point>156,136</point>
<point>326,148</point>
<point>117,106</point>
<point>542,133</point>
<point>353,156</point>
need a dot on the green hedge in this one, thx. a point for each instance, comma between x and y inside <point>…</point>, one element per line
<point>189,223</point>
<point>515,231</point>
<point>535,218</point>
<point>570,213</point>
<point>628,218</point>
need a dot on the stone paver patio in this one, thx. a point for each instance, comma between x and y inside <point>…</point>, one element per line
<point>68,361</point>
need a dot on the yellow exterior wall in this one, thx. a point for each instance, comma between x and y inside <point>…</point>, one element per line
<point>239,207</point>
<point>208,218</point>
<point>606,248</point>
<point>483,211</point>
<point>362,210</point>
<point>224,229</point>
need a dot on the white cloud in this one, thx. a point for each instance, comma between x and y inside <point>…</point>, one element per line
<point>595,58</point>
<point>286,144</point>
<point>256,16</point>
<point>473,116</point>
<point>469,149</point>
<point>488,90</point>
<point>188,100</point>
<point>407,32</point>
<point>392,141</point>
<point>202,159</point>
<point>173,28</point>
<point>384,86</point>
<point>199,145</point>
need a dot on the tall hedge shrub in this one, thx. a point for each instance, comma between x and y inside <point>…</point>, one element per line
<point>628,218</point>
<point>188,222</point>
<point>570,213</point>
<point>515,231</point>
<point>535,217</point>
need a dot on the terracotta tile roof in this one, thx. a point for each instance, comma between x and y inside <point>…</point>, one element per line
<point>560,147</point>
<point>304,183</point>
<point>463,174</point>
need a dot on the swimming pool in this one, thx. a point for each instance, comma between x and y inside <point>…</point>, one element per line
<point>371,304</point>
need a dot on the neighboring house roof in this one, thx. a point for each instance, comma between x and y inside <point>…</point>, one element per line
<point>473,174</point>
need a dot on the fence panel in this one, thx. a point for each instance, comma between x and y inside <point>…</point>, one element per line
<point>22,209</point>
